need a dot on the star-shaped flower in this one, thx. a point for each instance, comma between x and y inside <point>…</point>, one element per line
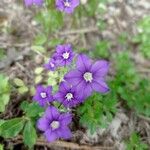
<point>67,95</point>
<point>67,6</point>
<point>43,95</point>
<point>55,125</point>
<point>63,55</point>
<point>88,76</point>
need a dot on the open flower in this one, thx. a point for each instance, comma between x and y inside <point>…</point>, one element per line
<point>43,95</point>
<point>88,77</point>
<point>31,2</point>
<point>67,95</point>
<point>63,55</point>
<point>67,6</point>
<point>55,125</point>
<point>51,65</point>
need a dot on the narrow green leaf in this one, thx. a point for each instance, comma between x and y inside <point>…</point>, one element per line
<point>29,134</point>
<point>4,92</point>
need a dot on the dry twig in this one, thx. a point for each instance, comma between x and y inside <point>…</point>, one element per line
<point>144,118</point>
<point>63,144</point>
<point>79,31</point>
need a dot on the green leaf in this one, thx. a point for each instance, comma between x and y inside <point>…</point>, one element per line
<point>38,79</point>
<point>52,81</point>
<point>92,7</point>
<point>40,39</point>
<point>54,42</point>
<point>39,70</point>
<point>135,142</point>
<point>29,134</point>
<point>2,106</point>
<point>4,92</point>
<point>97,111</point>
<point>142,38</point>
<point>4,99</point>
<point>51,20</point>
<point>11,128</point>
<point>24,106</point>
<point>1,147</point>
<point>38,48</point>
<point>18,82</point>
<point>23,89</point>
<point>2,53</point>
<point>1,121</point>
<point>4,86</point>
<point>102,49</point>
<point>32,109</point>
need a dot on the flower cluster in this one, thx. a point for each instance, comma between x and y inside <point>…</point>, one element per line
<point>79,83</point>
<point>67,6</point>
<point>63,56</point>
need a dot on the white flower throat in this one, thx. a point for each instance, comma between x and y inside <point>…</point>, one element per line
<point>69,96</point>
<point>52,65</point>
<point>66,55</point>
<point>43,94</point>
<point>88,77</point>
<point>55,124</point>
<point>66,3</point>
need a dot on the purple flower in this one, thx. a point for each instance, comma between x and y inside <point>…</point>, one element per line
<point>51,65</point>
<point>43,95</point>
<point>67,6</point>
<point>55,125</point>
<point>88,77</point>
<point>63,55</point>
<point>67,95</point>
<point>31,2</point>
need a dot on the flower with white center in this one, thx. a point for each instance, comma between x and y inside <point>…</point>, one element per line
<point>88,77</point>
<point>43,94</point>
<point>55,125</point>
<point>69,96</point>
<point>65,55</point>
<point>67,6</point>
